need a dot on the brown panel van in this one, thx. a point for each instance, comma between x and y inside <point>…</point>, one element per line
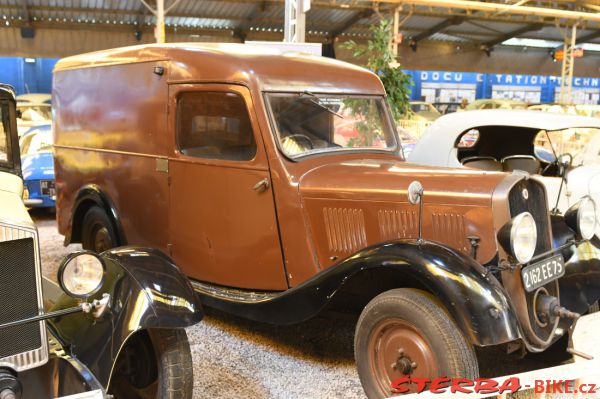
<point>277,183</point>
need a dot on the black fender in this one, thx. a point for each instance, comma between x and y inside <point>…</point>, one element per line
<point>580,286</point>
<point>147,290</point>
<point>472,297</point>
<point>88,196</point>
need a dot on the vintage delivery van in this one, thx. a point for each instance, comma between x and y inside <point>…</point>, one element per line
<point>277,182</point>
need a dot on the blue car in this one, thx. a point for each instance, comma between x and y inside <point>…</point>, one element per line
<point>37,162</point>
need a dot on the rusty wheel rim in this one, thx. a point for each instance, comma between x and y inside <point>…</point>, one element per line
<point>398,348</point>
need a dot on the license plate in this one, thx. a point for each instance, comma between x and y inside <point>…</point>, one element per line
<point>540,273</point>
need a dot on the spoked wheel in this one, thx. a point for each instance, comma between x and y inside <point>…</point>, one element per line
<point>154,364</point>
<point>98,233</point>
<point>404,332</point>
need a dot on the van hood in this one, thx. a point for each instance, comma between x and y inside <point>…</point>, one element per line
<point>387,180</point>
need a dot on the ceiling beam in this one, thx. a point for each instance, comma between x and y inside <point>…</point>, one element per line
<point>241,31</point>
<point>433,30</point>
<point>502,8</point>
<point>583,39</point>
<point>501,39</point>
<point>350,22</point>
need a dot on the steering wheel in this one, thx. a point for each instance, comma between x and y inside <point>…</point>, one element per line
<point>297,143</point>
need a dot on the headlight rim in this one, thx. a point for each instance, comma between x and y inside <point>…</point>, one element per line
<point>507,234</point>
<point>67,260</point>
<point>513,233</point>
<point>574,214</point>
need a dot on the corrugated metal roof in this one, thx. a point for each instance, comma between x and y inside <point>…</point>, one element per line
<point>228,15</point>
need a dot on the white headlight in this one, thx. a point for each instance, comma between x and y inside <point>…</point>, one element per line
<point>523,237</point>
<point>81,275</point>
<point>586,218</point>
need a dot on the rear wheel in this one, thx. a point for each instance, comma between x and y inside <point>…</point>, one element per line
<point>154,364</point>
<point>98,233</point>
<point>404,332</point>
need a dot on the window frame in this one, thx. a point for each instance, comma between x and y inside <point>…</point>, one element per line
<point>212,88</point>
<point>9,121</point>
<point>396,150</point>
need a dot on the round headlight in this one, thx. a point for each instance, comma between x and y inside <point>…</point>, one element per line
<point>81,275</point>
<point>581,218</point>
<point>519,237</point>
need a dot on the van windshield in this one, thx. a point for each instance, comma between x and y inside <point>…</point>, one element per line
<point>308,123</point>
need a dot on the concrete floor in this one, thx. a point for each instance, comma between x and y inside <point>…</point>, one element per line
<point>236,358</point>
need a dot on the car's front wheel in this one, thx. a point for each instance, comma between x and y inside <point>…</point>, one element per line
<point>98,233</point>
<point>404,332</point>
<point>154,364</point>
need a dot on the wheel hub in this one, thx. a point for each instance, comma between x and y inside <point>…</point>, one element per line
<point>404,363</point>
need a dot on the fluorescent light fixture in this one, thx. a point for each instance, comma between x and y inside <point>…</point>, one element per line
<point>516,41</point>
<point>30,60</point>
<point>550,44</point>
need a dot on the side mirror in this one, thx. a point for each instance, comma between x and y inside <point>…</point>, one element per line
<point>564,163</point>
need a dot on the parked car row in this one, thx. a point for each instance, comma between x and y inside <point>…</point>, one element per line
<point>278,186</point>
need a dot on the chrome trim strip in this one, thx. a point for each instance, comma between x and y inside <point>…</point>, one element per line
<point>233,294</point>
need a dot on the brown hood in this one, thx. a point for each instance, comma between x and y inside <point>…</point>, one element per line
<point>388,180</point>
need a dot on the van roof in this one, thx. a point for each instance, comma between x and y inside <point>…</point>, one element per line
<point>266,68</point>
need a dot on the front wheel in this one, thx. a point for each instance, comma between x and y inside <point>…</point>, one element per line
<point>154,364</point>
<point>404,332</point>
<point>98,233</point>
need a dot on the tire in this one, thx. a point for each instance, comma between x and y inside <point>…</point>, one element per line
<point>155,364</point>
<point>419,339</point>
<point>98,233</point>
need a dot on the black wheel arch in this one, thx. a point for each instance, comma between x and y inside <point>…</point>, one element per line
<point>474,298</point>
<point>88,196</point>
<point>147,291</point>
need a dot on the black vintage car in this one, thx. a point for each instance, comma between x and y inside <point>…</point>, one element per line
<point>113,325</point>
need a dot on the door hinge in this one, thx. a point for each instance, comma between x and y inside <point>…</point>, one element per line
<point>170,249</point>
<point>162,165</point>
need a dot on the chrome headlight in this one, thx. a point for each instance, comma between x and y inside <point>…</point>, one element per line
<point>81,274</point>
<point>582,218</point>
<point>519,237</point>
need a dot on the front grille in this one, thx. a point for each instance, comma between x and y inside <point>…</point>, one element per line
<point>21,347</point>
<point>529,196</point>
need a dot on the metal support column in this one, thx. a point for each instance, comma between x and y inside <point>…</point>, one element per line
<point>159,13</point>
<point>295,20</point>
<point>159,30</point>
<point>568,64</point>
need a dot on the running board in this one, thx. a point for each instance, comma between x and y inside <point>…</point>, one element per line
<point>233,294</point>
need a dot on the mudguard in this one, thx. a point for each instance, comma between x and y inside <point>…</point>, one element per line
<point>580,286</point>
<point>474,298</point>
<point>87,196</point>
<point>146,289</point>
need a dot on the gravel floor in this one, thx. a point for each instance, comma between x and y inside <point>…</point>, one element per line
<point>236,358</point>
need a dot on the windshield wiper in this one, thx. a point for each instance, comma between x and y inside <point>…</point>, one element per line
<point>315,100</point>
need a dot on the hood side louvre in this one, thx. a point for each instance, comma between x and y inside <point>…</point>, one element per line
<point>345,228</point>
<point>395,224</point>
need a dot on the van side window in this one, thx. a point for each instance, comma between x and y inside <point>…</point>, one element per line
<point>214,125</point>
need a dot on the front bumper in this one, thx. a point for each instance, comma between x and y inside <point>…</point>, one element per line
<point>97,394</point>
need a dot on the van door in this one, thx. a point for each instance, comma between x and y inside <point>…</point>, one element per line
<point>223,228</point>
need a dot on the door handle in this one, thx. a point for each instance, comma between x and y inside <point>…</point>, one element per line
<point>262,185</point>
